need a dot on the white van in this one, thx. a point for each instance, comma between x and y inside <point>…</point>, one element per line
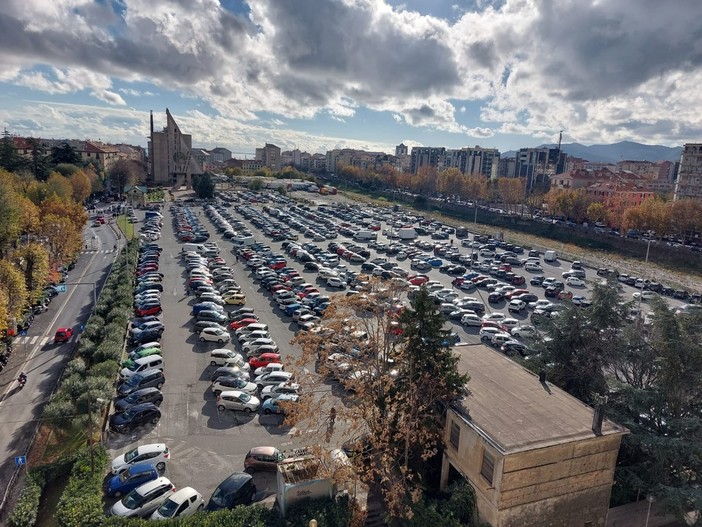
<point>550,256</point>
<point>365,235</point>
<point>150,362</point>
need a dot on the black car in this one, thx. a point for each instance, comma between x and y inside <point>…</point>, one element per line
<point>145,395</point>
<point>137,415</point>
<point>212,316</point>
<point>240,311</point>
<point>526,297</point>
<point>149,335</point>
<point>150,286</point>
<point>138,381</point>
<point>667,291</point>
<point>202,324</point>
<point>552,292</point>
<point>495,297</point>
<point>311,266</point>
<point>512,347</point>
<point>680,293</point>
<point>237,489</point>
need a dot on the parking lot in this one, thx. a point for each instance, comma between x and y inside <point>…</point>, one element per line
<point>207,445</point>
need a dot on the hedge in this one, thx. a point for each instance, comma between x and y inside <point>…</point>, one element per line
<point>80,504</point>
<point>25,512</point>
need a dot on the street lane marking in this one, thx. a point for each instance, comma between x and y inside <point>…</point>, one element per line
<point>33,339</point>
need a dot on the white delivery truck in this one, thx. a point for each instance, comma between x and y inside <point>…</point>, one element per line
<point>193,247</point>
<point>406,233</point>
<point>550,256</point>
<point>244,241</point>
<point>365,235</point>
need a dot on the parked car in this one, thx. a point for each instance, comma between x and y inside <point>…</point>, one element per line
<point>237,400</point>
<point>138,415</point>
<point>154,453</point>
<point>185,502</point>
<point>217,335</point>
<point>145,395</point>
<point>144,500</point>
<point>146,379</point>
<point>130,478</point>
<point>224,383</point>
<point>263,458</point>
<point>273,405</point>
<point>237,489</point>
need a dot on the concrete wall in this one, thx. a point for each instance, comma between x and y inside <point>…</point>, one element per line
<point>564,485</point>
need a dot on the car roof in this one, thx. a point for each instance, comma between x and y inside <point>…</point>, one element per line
<point>153,484</point>
<point>235,480</point>
<point>264,451</point>
<point>141,467</point>
<point>152,447</point>
<point>63,330</point>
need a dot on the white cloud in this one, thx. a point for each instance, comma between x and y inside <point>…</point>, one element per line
<point>601,71</point>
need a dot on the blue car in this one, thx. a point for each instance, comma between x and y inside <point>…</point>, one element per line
<point>271,406</point>
<point>451,339</point>
<point>135,476</point>
<point>289,310</point>
<point>435,262</point>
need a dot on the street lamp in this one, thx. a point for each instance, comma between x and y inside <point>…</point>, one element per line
<point>650,499</point>
<point>313,523</point>
<point>90,429</point>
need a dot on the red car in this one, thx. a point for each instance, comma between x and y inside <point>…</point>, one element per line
<point>63,335</point>
<point>151,310</point>
<point>307,291</point>
<point>565,295</point>
<point>264,359</point>
<point>278,265</point>
<point>237,324</point>
<point>419,280</point>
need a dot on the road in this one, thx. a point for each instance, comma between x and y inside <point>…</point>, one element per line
<point>42,361</point>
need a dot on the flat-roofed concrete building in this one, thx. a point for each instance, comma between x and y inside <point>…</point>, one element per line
<point>535,455</point>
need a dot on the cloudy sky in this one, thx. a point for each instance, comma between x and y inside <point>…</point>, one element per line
<point>322,74</point>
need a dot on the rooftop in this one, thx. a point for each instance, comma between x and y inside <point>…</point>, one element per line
<point>515,412</point>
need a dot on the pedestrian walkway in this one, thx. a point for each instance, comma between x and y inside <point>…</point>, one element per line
<point>98,251</point>
<point>30,340</point>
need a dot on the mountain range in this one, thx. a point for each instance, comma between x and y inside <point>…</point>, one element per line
<point>623,151</point>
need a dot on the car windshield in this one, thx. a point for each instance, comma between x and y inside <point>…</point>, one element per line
<point>219,497</point>
<point>168,508</point>
<point>245,397</point>
<point>128,415</point>
<point>134,380</point>
<point>131,454</point>
<point>133,500</point>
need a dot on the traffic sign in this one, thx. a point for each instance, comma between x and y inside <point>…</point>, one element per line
<point>60,288</point>
<point>20,460</point>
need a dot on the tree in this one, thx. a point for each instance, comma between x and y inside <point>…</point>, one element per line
<point>81,186</point>
<point>511,190</point>
<point>10,159</point>
<point>66,169</point>
<point>33,260</point>
<point>65,153</point>
<point>122,173</point>
<point>64,237</point>
<point>656,389</point>
<point>204,187</point>
<point>40,163</point>
<point>60,186</point>
<point>29,215</point>
<point>14,288</point>
<point>399,376</point>
<point>596,212</point>
<point>10,212</point>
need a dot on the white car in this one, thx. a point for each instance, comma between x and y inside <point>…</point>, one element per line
<point>500,338</point>
<point>225,357</point>
<point>156,453</point>
<point>254,335</point>
<point>237,400</point>
<point>488,333</point>
<point>256,344</point>
<point>302,311</point>
<point>494,317</point>
<point>334,281</point>
<point>509,323</point>
<point>516,306</point>
<point>471,320</point>
<point>541,304</point>
<point>218,335</point>
<point>273,378</point>
<point>524,332</point>
<point>273,366</point>
<point>574,282</point>
<point>534,267</point>
<point>225,384</point>
<point>185,502</point>
<point>644,295</point>
<point>212,297</point>
<point>277,389</point>
<point>144,500</point>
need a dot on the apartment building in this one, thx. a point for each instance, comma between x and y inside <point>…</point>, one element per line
<point>689,182</point>
<point>270,156</point>
<point>535,455</point>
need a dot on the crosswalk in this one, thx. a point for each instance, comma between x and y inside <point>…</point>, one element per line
<point>30,340</point>
<point>101,251</point>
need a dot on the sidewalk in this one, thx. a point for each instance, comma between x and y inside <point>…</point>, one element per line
<point>634,515</point>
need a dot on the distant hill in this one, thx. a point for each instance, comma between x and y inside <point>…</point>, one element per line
<point>626,150</point>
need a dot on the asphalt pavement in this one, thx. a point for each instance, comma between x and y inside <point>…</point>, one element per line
<point>42,360</point>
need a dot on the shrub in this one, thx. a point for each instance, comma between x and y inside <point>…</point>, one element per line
<point>109,350</point>
<point>25,512</point>
<point>77,365</point>
<point>94,327</point>
<point>81,502</point>
<point>328,512</point>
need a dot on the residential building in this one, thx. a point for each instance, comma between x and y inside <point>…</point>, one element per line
<point>351,157</point>
<point>170,156</point>
<point>270,156</point>
<point>427,156</point>
<point>219,155</point>
<point>689,182</point>
<point>202,157</point>
<point>401,150</point>
<point>318,162</point>
<point>534,454</point>
<point>104,155</point>
<point>605,185</point>
<point>537,165</point>
<point>475,161</point>
<point>249,166</point>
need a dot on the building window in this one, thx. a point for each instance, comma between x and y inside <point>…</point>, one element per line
<point>455,435</point>
<point>488,466</point>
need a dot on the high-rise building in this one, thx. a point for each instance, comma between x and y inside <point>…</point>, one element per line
<point>689,182</point>
<point>270,155</point>
<point>170,155</point>
<point>473,161</point>
<point>427,156</point>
